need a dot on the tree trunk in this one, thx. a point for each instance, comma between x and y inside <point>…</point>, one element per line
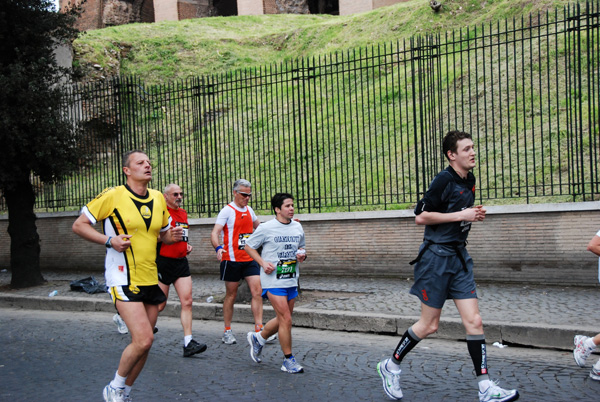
<point>24,239</point>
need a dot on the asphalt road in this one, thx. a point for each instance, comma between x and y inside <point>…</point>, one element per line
<point>71,356</point>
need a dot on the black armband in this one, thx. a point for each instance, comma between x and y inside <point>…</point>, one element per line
<point>420,207</point>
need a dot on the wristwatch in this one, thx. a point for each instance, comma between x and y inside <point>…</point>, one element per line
<point>107,244</point>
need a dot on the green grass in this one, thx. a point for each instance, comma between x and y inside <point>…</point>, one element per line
<point>251,138</point>
<point>167,51</point>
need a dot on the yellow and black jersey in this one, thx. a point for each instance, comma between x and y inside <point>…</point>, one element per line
<point>124,212</point>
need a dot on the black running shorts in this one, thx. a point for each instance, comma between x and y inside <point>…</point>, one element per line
<point>145,294</point>
<point>171,269</point>
<point>234,271</point>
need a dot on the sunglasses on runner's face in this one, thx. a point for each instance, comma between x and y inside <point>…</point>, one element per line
<point>178,194</point>
<point>245,194</point>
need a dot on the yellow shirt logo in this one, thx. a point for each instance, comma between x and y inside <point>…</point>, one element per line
<point>145,212</point>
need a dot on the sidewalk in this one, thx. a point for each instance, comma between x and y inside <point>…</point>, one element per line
<point>537,316</point>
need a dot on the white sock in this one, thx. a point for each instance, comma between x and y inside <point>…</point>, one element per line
<point>118,381</point>
<point>186,340</point>
<point>589,343</point>
<point>484,385</point>
<point>392,366</point>
<point>260,339</point>
<point>127,390</point>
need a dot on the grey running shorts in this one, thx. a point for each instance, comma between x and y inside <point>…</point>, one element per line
<point>440,275</point>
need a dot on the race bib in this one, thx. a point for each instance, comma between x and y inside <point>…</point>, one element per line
<point>185,228</point>
<point>242,240</point>
<point>286,269</point>
<point>465,226</point>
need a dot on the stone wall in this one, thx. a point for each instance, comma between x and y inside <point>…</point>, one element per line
<point>195,9</point>
<point>91,18</point>
<point>283,7</point>
<point>544,243</point>
<point>147,12</point>
<point>348,7</point>
<point>102,13</point>
<point>119,12</point>
<point>292,6</point>
<point>165,10</point>
<point>250,7</point>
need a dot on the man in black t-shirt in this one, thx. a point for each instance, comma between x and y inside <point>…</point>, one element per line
<point>444,269</point>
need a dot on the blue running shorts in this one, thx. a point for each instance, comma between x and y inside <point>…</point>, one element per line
<point>291,293</point>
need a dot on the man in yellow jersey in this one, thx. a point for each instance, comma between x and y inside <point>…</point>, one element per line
<point>134,218</point>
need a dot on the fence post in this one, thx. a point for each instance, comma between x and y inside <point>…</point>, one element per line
<point>116,90</point>
<point>450,90</point>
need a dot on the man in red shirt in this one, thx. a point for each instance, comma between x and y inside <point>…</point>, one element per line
<point>173,268</point>
<point>236,222</point>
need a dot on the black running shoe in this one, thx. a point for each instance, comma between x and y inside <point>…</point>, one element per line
<point>193,348</point>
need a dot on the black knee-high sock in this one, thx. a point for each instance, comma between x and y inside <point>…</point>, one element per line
<point>476,346</point>
<point>409,340</point>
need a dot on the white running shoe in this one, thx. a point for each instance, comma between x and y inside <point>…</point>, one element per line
<point>111,394</point>
<point>121,326</point>
<point>595,372</point>
<point>391,380</point>
<point>228,338</point>
<point>255,347</point>
<point>291,366</point>
<point>581,352</point>
<point>269,339</point>
<point>496,394</point>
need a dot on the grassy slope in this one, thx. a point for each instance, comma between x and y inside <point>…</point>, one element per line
<point>168,51</point>
<point>173,50</point>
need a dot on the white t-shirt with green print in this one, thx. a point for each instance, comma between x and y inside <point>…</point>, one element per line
<point>279,242</point>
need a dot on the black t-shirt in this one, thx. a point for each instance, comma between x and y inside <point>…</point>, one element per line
<point>448,192</point>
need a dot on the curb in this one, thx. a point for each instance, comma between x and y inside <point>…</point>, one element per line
<point>544,336</point>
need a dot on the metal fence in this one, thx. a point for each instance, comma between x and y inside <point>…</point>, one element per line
<point>362,129</point>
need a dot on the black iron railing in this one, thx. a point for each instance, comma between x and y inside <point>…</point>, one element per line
<point>362,129</point>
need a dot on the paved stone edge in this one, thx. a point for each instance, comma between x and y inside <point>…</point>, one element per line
<point>524,334</point>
